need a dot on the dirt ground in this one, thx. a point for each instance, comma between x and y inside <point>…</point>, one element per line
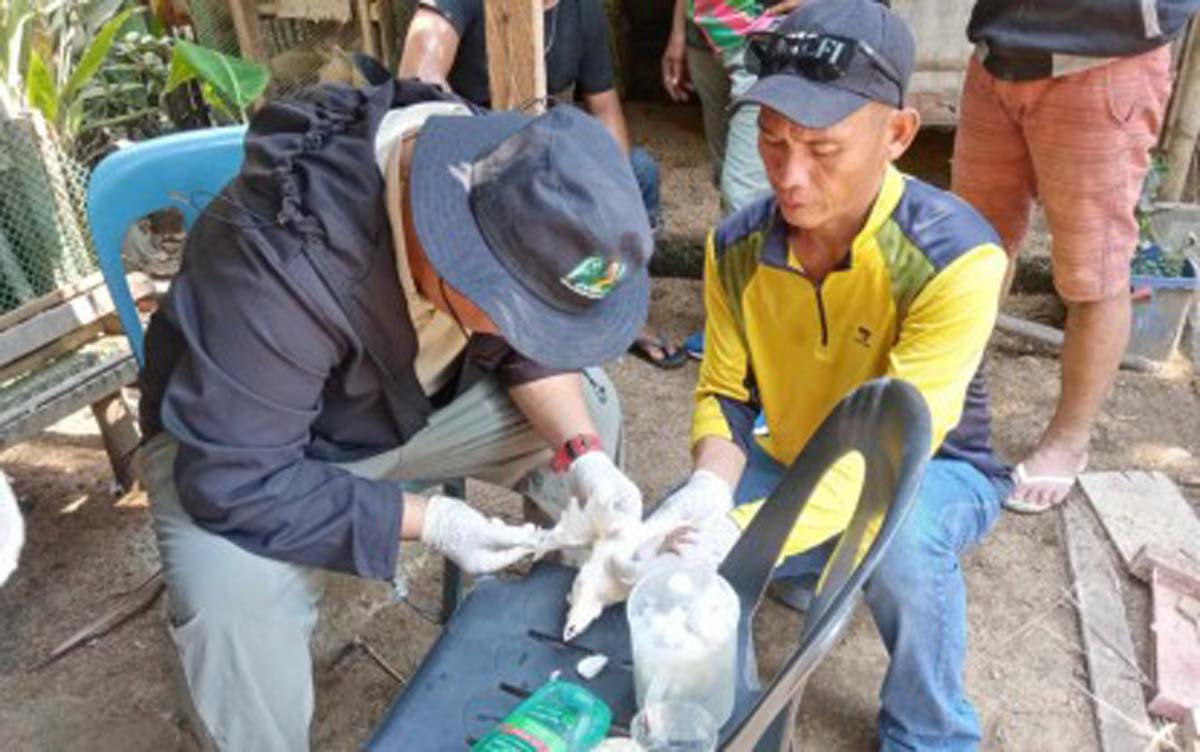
<point>1024,671</point>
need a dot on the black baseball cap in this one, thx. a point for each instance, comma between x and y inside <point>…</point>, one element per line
<point>847,53</point>
<point>539,222</point>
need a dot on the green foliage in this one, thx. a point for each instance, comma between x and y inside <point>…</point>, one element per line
<point>100,70</point>
<point>40,89</point>
<point>124,99</point>
<point>94,55</point>
<point>229,84</point>
<point>56,92</point>
<point>15,16</point>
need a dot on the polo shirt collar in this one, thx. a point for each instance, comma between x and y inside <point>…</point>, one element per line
<point>775,243</point>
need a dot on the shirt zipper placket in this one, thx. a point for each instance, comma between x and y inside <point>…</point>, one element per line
<point>821,314</point>
<point>820,299</point>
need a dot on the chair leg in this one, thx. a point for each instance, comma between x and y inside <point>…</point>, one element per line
<point>451,590</point>
<point>777,736</point>
<point>792,715</point>
<point>120,434</point>
<point>531,512</point>
<point>452,576</point>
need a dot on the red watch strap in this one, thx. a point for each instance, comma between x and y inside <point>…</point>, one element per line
<point>573,448</point>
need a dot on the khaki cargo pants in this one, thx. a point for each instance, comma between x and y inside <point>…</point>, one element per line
<point>243,623</point>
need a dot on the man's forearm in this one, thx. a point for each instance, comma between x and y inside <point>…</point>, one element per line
<point>721,457</point>
<point>606,107</point>
<point>429,48</point>
<point>412,518</point>
<point>555,406</point>
<point>677,23</point>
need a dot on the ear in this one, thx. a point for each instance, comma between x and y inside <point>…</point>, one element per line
<point>902,128</point>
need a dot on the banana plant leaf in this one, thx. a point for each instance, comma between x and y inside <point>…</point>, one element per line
<point>235,81</point>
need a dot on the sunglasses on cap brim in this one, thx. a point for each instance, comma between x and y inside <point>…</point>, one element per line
<point>817,57</point>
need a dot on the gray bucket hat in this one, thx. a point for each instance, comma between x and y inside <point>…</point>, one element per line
<point>538,221</point>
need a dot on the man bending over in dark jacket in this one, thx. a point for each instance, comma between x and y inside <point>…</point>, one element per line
<point>394,291</point>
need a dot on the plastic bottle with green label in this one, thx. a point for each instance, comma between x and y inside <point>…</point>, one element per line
<point>559,717</point>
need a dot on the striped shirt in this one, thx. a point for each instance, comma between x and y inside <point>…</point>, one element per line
<point>726,22</point>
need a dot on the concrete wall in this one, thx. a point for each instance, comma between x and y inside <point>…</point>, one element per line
<point>940,27</point>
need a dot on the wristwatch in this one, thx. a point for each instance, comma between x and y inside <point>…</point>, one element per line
<point>574,448</point>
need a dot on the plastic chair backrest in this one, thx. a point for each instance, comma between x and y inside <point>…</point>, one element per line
<point>887,422</point>
<point>182,170</point>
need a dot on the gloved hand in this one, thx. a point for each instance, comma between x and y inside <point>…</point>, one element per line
<point>692,525</point>
<point>608,496</point>
<point>706,543</point>
<point>709,542</point>
<point>704,497</point>
<point>477,544</point>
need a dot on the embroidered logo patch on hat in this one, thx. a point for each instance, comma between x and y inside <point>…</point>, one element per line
<point>594,277</point>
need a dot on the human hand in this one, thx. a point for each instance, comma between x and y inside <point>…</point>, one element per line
<point>706,543</point>
<point>477,544</point>
<point>674,67</point>
<point>705,496</point>
<point>692,523</point>
<point>606,494</point>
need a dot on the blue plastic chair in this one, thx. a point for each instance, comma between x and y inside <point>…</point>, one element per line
<point>502,643</point>
<point>182,171</point>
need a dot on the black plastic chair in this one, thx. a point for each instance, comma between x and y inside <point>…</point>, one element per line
<point>503,642</point>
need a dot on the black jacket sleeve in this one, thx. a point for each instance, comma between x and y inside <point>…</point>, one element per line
<point>241,402</point>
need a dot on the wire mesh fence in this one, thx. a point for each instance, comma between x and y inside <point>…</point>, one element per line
<point>305,41</point>
<point>44,241</point>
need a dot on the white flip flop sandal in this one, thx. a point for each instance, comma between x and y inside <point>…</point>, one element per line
<point>1022,478</point>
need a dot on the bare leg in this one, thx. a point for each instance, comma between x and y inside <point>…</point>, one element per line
<point>1095,338</point>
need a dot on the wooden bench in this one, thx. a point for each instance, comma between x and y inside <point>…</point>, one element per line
<point>62,352</point>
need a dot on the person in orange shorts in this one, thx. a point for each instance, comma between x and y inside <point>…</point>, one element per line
<point>1062,105</point>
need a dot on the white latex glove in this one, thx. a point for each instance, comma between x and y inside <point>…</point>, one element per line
<point>685,543</point>
<point>704,497</point>
<point>692,524</point>
<point>708,543</point>
<point>477,544</point>
<point>608,495</point>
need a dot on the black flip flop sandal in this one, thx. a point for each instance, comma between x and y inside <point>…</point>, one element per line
<point>641,348</point>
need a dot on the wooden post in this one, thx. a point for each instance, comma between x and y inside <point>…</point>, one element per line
<point>516,60</point>
<point>245,24</point>
<point>1183,120</point>
<point>370,44</point>
<point>387,33</point>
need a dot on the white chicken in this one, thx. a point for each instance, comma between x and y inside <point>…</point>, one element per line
<point>12,530</point>
<point>612,552</point>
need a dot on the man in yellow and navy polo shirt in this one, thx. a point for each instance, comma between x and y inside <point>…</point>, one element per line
<point>852,271</point>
